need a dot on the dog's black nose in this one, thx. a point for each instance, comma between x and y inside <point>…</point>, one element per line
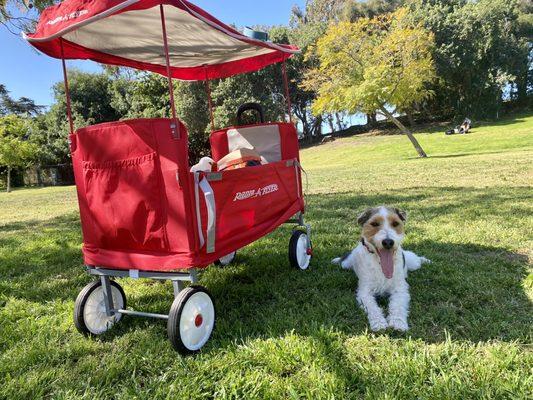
<point>387,243</point>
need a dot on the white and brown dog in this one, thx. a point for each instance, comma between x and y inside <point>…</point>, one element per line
<point>381,266</point>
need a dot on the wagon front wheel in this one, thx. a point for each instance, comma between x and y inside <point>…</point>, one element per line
<point>300,252</point>
<point>191,320</point>
<point>90,316</point>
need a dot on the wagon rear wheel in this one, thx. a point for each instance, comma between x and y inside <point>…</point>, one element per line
<point>191,320</point>
<point>90,316</point>
<point>299,250</point>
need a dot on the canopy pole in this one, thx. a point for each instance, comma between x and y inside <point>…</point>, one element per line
<point>175,126</point>
<point>286,84</point>
<point>67,92</point>
<point>209,100</point>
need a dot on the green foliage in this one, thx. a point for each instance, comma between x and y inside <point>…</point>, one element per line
<point>15,149</point>
<point>23,106</point>
<point>264,87</point>
<point>479,49</point>
<point>192,108</point>
<point>371,63</point>
<point>353,10</point>
<point>21,15</point>
<point>51,140</point>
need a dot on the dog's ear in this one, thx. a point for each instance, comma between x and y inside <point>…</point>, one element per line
<point>401,214</point>
<point>365,216</point>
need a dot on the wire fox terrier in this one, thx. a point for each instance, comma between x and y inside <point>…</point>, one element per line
<point>381,266</point>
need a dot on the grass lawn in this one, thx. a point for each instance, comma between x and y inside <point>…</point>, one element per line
<point>283,333</point>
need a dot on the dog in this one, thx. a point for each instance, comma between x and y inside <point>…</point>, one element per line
<point>381,266</point>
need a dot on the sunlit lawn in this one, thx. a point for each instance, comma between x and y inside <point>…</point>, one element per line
<point>283,333</point>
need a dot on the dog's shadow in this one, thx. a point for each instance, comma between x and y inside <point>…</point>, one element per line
<point>468,292</point>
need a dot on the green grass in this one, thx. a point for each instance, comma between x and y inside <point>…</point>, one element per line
<point>289,334</point>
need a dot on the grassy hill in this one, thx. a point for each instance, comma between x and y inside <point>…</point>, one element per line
<point>283,333</point>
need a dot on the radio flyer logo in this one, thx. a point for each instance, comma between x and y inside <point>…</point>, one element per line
<point>68,17</point>
<point>250,194</point>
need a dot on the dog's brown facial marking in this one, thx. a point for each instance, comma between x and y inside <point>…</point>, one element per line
<point>366,215</point>
<point>396,223</point>
<point>372,226</point>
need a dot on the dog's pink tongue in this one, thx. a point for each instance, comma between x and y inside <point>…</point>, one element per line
<point>387,264</point>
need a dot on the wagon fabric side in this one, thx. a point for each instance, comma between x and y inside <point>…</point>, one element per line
<point>139,203</point>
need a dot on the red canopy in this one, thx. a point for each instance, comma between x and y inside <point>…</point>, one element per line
<point>129,33</point>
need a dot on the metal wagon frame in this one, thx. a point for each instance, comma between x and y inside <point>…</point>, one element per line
<point>142,212</point>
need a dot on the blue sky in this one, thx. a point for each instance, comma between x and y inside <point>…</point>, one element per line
<point>25,72</point>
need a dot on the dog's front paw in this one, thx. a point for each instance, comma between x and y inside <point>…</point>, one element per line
<point>399,324</point>
<point>424,260</point>
<point>378,324</point>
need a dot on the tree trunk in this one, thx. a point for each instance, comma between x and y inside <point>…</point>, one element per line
<point>39,177</point>
<point>413,140</point>
<point>331,124</point>
<point>8,180</point>
<point>371,119</point>
<point>410,118</point>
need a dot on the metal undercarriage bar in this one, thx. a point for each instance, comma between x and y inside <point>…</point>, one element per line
<point>178,283</point>
<point>129,273</point>
<point>142,314</point>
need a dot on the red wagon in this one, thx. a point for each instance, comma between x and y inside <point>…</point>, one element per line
<point>143,213</point>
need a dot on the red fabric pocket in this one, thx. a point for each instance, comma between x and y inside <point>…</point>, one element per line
<point>125,203</point>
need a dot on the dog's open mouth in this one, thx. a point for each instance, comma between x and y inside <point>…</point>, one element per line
<point>386,260</point>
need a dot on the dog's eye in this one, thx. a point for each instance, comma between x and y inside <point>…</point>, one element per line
<point>395,224</point>
<point>375,224</point>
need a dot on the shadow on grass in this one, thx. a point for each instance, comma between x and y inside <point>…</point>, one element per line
<point>471,291</point>
<point>41,260</point>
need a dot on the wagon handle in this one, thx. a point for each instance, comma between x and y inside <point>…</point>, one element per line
<point>250,106</point>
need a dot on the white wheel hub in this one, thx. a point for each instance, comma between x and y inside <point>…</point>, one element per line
<point>94,315</point>
<point>197,321</point>
<point>302,255</point>
<point>227,259</point>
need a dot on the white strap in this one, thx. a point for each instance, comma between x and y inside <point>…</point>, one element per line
<point>198,217</point>
<point>211,214</point>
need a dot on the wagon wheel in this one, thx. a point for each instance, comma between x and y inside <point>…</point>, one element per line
<point>300,251</point>
<point>226,260</point>
<point>90,316</point>
<point>191,320</point>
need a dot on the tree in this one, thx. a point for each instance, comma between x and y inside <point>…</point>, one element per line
<point>305,29</point>
<point>23,106</point>
<point>381,64</point>
<point>481,47</point>
<point>15,149</point>
<point>21,15</point>
<point>353,10</point>
<point>91,103</point>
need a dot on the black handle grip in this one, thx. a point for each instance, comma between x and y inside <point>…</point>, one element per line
<point>250,106</point>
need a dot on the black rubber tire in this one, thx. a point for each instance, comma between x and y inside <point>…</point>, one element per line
<point>79,305</point>
<point>174,317</point>
<point>218,263</point>
<point>293,244</point>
